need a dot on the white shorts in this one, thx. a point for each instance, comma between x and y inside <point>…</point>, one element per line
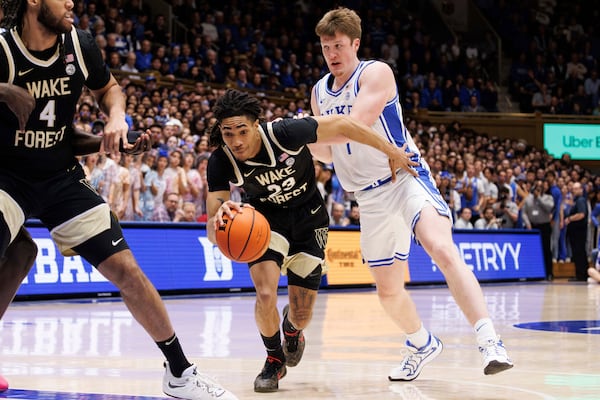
<point>388,214</point>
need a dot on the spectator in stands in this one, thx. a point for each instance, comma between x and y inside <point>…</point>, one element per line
<point>354,214</point>
<point>168,210</point>
<point>187,213</point>
<point>473,105</point>
<point>431,96</point>
<point>464,219</point>
<point>541,100</point>
<point>129,65</point>
<point>555,192</point>
<point>576,222</point>
<point>489,97</point>
<point>488,219</point>
<point>592,86</point>
<point>467,91</point>
<point>537,214</point>
<point>144,56</point>
<point>338,215</point>
<point>506,210</point>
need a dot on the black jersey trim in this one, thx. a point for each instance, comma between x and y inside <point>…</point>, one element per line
<point>274,139</point>
<point>9,59</point>
<point>30,57</point>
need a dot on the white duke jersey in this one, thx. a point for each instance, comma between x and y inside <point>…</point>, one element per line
<point>359,166</point>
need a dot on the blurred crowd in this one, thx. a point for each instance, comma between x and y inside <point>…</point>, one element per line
<point>488,182</point>
<point>554,46</point>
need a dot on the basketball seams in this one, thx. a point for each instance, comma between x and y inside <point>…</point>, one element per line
<point>248,237</point>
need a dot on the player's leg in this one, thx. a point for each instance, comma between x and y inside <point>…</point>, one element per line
<point>434,233</point>
<point>385,243</point>
<point>304,268</point>
<point>86,226</point>
<point>14,266</point>
<point>302,294</point>
<point>265,276</point>
<point>15,262</point>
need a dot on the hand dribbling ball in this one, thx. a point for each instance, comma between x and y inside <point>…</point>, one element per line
<point>245,237</point>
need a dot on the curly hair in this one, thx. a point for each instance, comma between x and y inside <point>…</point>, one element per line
<point>13,13</point>
<point>233,103</point>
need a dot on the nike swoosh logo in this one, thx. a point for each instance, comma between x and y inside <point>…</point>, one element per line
<point>247,174</point>
<point>171,341</point>
<point>116,242</point>
<point>315,210</point>
<point>175,386</point>
<point>21,73</point>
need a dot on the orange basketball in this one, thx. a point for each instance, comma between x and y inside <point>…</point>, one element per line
<point>245,237</point>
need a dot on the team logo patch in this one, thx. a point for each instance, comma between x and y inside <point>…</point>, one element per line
<point>290,161</point>
<point>70,69</point>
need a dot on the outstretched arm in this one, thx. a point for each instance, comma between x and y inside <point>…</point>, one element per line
<point>339,128</point>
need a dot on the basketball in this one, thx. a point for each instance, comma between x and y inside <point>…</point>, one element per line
<point>245,237</point>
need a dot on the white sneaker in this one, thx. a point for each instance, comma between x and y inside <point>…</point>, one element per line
<point>194,386</point>
<point>495,358</point>
<point>416,359</point>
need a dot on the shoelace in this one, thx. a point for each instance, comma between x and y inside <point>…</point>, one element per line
<point>492,348</point>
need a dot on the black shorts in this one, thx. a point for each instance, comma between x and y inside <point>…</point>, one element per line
<point>298,235</point>
<point>77,217</point>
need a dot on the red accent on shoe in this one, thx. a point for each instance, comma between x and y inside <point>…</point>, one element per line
<point>3,384</point>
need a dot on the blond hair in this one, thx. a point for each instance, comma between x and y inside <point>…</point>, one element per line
<point>340,20</point>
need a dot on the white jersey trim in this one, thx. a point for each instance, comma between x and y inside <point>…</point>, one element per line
<point>29,56</point>
<point>79,52</point>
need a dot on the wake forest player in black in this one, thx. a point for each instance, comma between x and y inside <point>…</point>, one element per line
<point>44,64</point>
<point>272,164</point>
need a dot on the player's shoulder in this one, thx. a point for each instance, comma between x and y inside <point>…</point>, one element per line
<point>376,66</point>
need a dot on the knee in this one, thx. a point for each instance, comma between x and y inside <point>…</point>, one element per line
<point>122,270</point>
<point>265,298</point>
<point>445,255</point>
<point>390,289</point>
<point>21,253</point>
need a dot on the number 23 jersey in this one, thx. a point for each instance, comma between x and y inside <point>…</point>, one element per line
<point>282,174</point>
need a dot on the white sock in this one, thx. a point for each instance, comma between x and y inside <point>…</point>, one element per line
<point>484,329</point>
<point>419,338</point>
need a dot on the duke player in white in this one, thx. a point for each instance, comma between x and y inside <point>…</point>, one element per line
<point>393,212</point>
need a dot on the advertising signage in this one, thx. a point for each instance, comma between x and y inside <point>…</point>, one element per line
<point>581,141</point>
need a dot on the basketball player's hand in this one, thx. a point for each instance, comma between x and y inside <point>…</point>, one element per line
<point>21,104</point>
<point>142,143</point>
<point>400,158</point>
<point>115,130</point>
<point>226,208</point>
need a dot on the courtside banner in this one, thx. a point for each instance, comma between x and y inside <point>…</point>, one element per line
<point>493,255</point>
<point>179,257</point>
<point>173,256</point>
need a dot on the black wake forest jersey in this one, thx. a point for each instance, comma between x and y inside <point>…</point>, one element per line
<point>55,79</point>
<point>281,175</point>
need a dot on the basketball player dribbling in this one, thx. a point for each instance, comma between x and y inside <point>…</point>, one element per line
<point>367,91</point>
<point>273,166</point>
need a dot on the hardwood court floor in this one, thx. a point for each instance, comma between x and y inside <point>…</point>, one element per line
<point>95,350</point>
